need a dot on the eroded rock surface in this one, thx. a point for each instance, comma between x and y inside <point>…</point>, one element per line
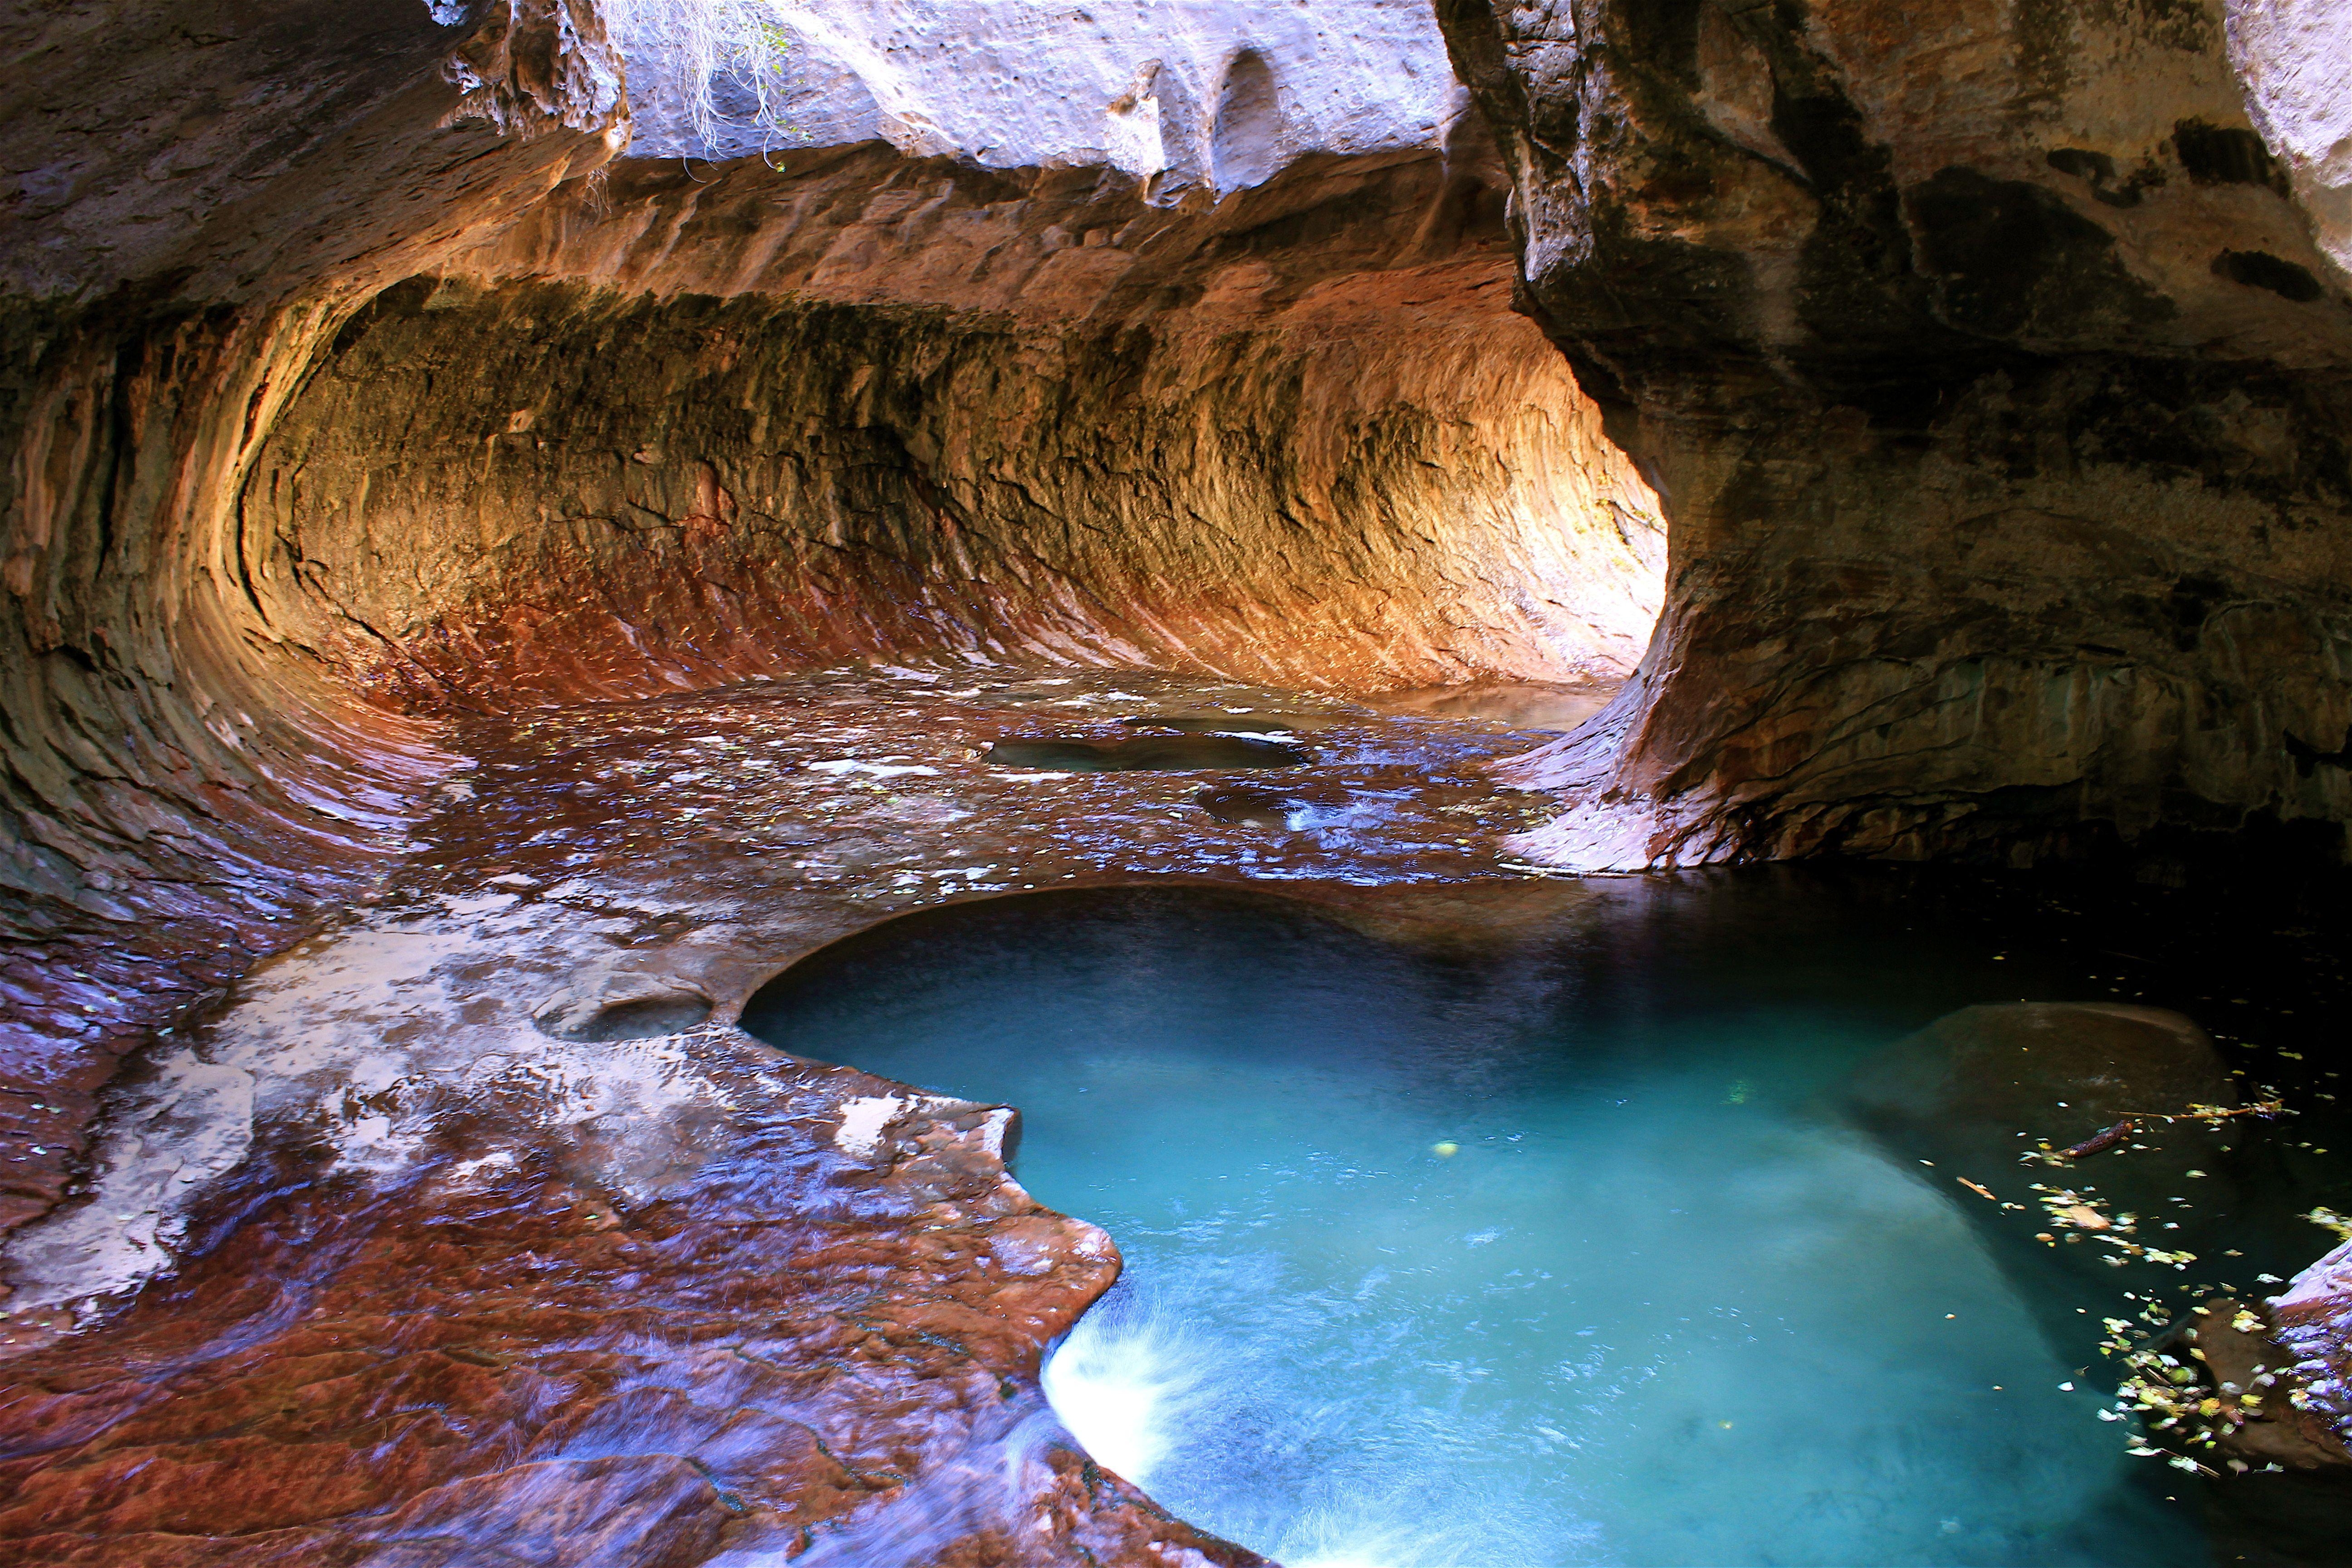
<point>471,1360</point>
<point>729,420</point>
<point>198,195</point>
<point>1298,438</point>
<point>1258,407</point>
<point>2311,1319</point>
<point>352,388</point>
<point>1200,101</point>
<point>440,1269</point>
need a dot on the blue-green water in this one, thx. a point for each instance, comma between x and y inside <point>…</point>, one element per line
<point>1553,1253</point>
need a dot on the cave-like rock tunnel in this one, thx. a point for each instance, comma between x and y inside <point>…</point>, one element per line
<point>629,627</point>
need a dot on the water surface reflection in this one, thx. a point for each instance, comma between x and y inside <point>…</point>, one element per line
<point>1659,1304</point>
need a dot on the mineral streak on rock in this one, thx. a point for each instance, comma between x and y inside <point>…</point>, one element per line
<point>1994,375</point>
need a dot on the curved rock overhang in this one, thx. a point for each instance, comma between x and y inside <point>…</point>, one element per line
<point>356,384</point>
<point>355,381</point>
<point>197,197</point>
<point>715,419</point>
<point>1993,371</point>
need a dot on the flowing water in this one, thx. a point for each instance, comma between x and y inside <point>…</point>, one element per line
<point>1558,1252</point>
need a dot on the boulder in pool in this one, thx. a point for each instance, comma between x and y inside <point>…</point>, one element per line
<point>1978,1089</point>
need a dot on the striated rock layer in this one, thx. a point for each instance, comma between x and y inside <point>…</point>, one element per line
<point>346,380</point>
<point>1993,371</point>
<point>736,420</point>
<point>196,196</point>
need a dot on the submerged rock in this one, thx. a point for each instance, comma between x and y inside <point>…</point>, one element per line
<point>1991,1095</point>
<point>2056,1072</point>
<point>1148,754</point>
<point>1231,723</point>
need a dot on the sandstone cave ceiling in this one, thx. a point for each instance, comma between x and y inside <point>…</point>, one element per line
<point>1922,439</point>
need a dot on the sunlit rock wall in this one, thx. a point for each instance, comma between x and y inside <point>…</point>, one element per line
<point>1196,99</point>
<point>1994,374</point>
<point>2290,54</point>
<point>1300,440</point>
<point>347,379</point>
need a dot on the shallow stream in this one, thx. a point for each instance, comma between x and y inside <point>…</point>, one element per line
<point>1472,1215</point>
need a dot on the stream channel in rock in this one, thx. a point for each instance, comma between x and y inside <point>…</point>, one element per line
<point>1469,1217</point>
<point>1376,784</point>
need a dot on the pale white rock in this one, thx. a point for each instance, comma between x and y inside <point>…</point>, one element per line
<point>2294,58</point>
<point>862,1123</point>
<point>1180,95</point>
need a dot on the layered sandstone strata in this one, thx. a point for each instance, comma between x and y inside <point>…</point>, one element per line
<point>350,383</point>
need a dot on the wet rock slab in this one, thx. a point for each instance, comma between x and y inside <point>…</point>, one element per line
<point>459,1236</point>
<point>801,1317</point>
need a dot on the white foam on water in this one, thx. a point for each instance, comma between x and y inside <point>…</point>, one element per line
<point>1126,1382</point>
